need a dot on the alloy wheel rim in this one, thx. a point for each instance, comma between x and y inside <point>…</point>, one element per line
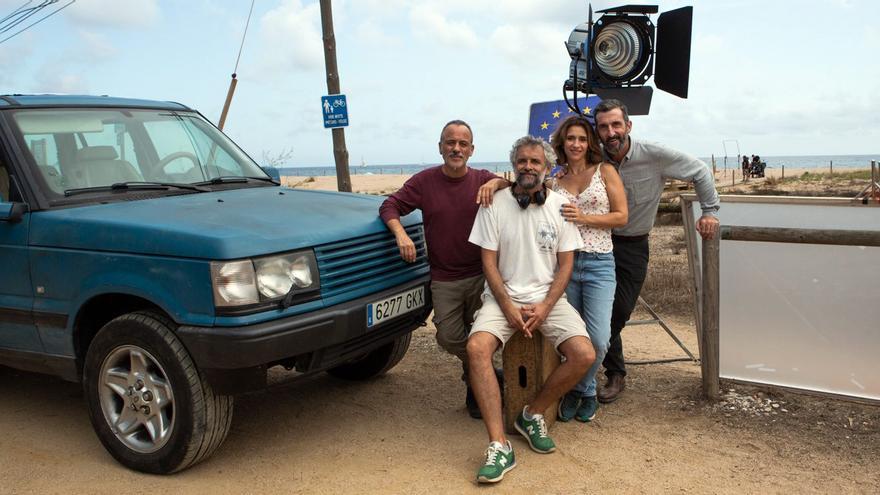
<point>136,399</point>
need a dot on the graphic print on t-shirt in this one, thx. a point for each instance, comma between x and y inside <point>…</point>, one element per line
<point>547,237</point>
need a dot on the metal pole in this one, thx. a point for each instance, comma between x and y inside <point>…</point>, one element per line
<point>710,355</point>
<point>340,153</point>
<point>689,224</point>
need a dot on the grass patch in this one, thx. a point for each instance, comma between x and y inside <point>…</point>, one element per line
<point>668,287</point>
<point>820,176</point>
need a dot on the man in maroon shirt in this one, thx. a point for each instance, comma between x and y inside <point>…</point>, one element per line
<point>448,196</point>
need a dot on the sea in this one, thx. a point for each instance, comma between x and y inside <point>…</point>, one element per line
<point>822,163</point>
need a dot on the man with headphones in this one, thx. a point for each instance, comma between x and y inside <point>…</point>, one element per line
<point>528,255</point>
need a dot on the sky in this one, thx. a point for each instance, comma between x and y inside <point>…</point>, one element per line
<point>778,77</point>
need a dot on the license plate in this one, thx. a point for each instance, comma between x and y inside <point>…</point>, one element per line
<point>396,305</point>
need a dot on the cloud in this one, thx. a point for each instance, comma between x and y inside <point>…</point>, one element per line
<point>383,8</point>
<point>370,32</point>
<point>113,13</point>
<point>291,37</point>
<point>51,80</point>
<point>530,45</point>
<point>562,11</point>
<point>97,46</point>
<point>431,25</point>
<point>708,45</point>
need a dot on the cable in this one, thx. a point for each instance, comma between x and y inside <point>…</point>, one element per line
<point>240,48</point>
<point>21,16</point>
<point>15,12</point>
<point>39,7</point>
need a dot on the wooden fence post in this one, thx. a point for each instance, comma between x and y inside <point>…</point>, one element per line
<point>709,354</point>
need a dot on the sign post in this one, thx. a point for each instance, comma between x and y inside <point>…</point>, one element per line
<point>340,153</point>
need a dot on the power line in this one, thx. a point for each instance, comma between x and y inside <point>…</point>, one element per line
<point>24,12</point>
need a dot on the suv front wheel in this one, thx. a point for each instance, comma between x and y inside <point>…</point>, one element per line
<point>147,402</point>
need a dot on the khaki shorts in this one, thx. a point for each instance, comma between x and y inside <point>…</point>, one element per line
<point>561,324</point>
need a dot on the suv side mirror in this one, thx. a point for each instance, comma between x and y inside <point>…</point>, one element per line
<point>12,212</point>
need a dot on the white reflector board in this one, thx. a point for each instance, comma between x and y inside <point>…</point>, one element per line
<point>800,315</point>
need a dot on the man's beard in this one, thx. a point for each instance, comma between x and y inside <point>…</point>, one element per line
<point>528,182</point>
<point>614,147</point>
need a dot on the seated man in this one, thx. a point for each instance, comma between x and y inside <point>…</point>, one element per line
<point>528,255</point>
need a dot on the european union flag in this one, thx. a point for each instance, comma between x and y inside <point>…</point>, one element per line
<point>544,117</point>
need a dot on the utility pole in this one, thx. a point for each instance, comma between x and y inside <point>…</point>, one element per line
<point>340,153</point>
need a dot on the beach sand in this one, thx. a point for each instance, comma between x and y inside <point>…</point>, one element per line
<point>408,431</point>
<point>369,184</point>
<point>386,184</point>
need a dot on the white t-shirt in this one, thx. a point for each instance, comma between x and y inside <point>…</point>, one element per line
<point>527,242</point>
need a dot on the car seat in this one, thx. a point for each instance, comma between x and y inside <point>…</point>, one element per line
<point>100,166</point>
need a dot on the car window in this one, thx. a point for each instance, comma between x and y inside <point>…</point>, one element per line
<point>45,153</point>
<point>117,136</point>
<point>4,183</point>
<point>185,146</point>
<point>85,148</point>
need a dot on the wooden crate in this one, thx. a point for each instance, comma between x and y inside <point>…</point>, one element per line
<point>527,364</point>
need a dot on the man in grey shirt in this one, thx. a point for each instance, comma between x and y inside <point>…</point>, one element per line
<point>644,168</point>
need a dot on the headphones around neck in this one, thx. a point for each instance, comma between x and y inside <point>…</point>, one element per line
<point>525,199</point>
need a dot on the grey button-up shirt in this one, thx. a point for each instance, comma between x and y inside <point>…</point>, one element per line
<point>644,171</point>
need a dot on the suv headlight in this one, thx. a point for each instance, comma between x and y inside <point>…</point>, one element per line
<point>248,282</point>
<point>277,275</point>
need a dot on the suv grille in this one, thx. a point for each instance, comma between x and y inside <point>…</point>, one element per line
<point>368,261</point>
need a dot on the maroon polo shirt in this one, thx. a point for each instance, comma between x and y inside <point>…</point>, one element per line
<point>448,209</point>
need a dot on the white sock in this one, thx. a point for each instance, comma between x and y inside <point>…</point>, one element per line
<point>506,448</point>
<point>527,414</point>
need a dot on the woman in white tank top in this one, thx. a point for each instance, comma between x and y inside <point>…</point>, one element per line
<point>597,203</point>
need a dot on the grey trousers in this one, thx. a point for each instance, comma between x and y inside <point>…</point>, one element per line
<point>455,303</point>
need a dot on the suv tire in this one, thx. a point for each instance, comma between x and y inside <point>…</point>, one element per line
<point>147,401</point>
<point>375,363</point>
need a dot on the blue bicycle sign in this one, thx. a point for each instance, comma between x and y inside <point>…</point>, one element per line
<point>335,111</point>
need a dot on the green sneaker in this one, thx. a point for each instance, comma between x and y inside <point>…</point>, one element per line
<point>535,431</point>
<point>568,407</point>
<point>499,460</point>
<point>586,412</point>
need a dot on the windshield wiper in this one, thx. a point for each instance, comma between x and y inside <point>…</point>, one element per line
<point>266,179</point>
<point>136,185</point>
<point>232,179</point>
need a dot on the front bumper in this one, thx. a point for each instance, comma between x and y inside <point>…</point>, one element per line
<point>236,358</point>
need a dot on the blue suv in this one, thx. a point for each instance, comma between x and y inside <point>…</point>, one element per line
<point>149,258</point>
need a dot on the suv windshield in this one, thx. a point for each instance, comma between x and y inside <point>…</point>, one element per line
<point>95,149</point>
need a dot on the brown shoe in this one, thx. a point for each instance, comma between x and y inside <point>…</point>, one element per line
<point>613,388</point>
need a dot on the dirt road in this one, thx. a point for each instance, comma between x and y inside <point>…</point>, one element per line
<point>408,432</point>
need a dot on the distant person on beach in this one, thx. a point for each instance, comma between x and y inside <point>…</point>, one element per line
<point>756,168</point>
<point>449,196</point>
<point>528,254</point>
<point>747,168</point>
<point>644,168</point>
<point>596,204</point>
